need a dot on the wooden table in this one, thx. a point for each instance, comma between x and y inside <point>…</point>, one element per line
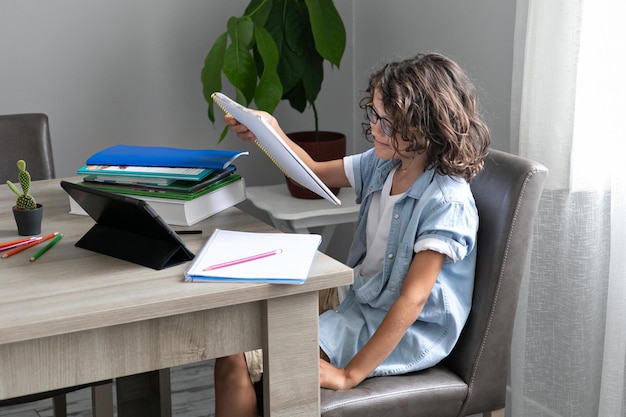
<point>76,316</point>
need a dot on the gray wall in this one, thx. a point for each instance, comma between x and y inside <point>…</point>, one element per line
<point>127,71</point>
<point>478,34</point>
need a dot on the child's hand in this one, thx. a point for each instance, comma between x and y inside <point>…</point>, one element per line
<point>334,378</point>
<point>242,130</point>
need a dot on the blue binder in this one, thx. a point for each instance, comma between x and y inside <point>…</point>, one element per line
<point>160,156</point>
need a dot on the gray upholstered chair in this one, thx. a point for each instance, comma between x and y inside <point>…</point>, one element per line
<point>27,136</point>
<point>473,378</point>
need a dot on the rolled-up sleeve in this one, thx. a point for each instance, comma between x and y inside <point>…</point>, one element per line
<point>449,229</point>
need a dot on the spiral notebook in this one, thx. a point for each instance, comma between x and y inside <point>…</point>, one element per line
<point>275,147</point>
<point>235,256</point>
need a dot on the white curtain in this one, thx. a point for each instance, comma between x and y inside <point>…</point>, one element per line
<point>569,112</point>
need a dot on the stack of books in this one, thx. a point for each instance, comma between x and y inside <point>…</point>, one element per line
<point>183,186</point>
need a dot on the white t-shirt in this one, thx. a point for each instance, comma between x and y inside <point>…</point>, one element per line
<point>378,223</point>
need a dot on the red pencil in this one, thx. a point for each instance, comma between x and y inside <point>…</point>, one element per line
<point>36,241</point>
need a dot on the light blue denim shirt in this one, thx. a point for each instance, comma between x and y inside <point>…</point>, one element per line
<point>436,208</point>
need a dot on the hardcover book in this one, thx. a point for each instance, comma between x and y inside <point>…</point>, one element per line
<point>188,212</point>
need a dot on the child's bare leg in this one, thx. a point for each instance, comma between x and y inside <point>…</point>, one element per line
<point>234,392</point>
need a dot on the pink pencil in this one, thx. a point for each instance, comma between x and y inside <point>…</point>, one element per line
<point>15,243</point>
<point>242,260</point>
<point>19,243</point>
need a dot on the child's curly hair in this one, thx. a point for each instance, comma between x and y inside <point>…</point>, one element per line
<point>432,105</point>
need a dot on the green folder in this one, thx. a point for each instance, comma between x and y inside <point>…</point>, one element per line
<point>141,191</point>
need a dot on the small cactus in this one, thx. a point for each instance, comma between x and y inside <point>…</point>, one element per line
<point>25,201</point>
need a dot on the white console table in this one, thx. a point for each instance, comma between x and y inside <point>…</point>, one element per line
<point>295,215</point>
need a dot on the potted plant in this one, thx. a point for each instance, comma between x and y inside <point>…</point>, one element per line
<point>275,51</point>
<point>27,212</point>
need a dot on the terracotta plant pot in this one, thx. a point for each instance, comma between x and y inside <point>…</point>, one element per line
<point>329,146</point>
<point>28,221</point>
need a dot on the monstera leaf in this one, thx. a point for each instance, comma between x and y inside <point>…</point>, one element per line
<point>275,52</point>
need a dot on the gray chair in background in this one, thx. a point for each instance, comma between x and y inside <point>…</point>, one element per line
<point>473,378</point>
<point>27,137</point>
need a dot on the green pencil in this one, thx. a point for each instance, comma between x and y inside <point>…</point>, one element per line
<point>48,246</point>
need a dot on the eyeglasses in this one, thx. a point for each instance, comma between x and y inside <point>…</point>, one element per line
<point>374,117</point>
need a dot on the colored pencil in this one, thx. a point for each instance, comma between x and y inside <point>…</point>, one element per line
<point>28,245</point>
<point>14,244</point>
<point>45,248</point>
<point>242,260</point>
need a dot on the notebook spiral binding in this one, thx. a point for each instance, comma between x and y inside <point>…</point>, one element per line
<point>214,97</point>
<point>270,157</point>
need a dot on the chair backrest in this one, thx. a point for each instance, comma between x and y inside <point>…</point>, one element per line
<point>507,194</point>
<point>27,137</point>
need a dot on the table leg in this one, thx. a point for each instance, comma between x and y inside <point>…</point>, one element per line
<point>102,400</point>
<point>291,356</point>
<point>144,395</point>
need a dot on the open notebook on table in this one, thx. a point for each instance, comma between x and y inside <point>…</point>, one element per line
<point>235,256</point>
<point>275,147</point>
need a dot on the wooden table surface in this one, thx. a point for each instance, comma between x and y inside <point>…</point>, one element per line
<point>76,316</point>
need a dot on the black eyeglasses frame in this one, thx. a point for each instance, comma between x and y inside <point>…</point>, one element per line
<point>373,117</point>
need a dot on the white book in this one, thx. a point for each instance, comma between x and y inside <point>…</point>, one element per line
<point>189,212</point>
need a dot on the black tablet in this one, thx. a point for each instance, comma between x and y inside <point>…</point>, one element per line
<point>127,228</point>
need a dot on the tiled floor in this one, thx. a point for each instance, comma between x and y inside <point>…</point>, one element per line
<point>192,396</point>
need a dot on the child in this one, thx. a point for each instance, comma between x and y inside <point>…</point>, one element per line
<point>415,245</point>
